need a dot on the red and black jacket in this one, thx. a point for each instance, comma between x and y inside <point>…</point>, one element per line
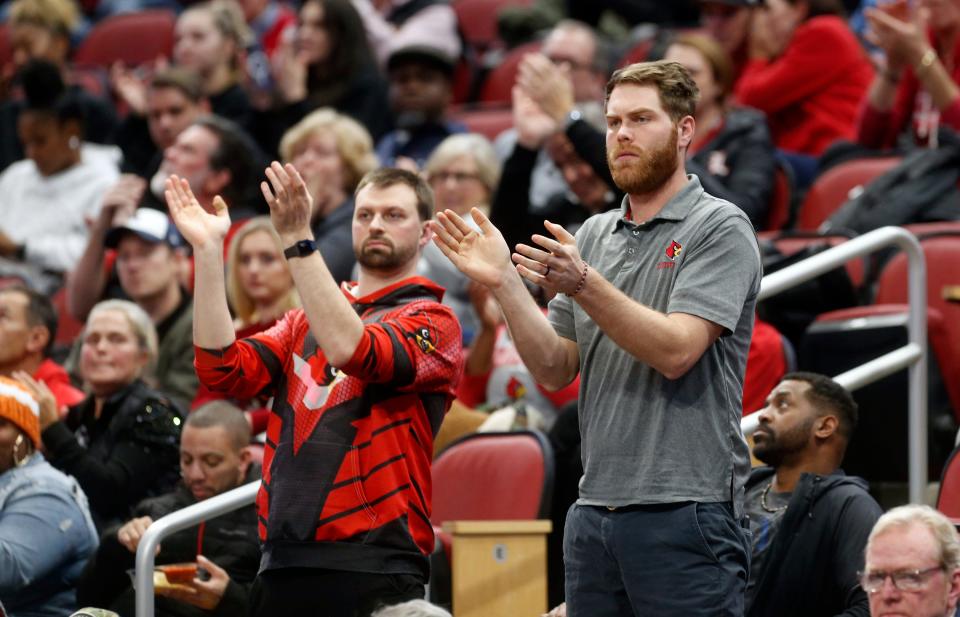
<point>346,474</point>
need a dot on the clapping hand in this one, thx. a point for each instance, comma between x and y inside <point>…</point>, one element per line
<point>556,265</point>
<point>290,203</point>
<point>483,255</point>
<point>201,229</point>
<point>46,401</point>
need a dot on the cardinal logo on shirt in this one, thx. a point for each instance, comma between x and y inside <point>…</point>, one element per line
<point>425,340</point>
<point>515,389</point>
<point>674,249</point>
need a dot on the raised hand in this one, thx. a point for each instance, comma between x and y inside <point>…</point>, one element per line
<point>556,265</point>
<point>130,534</point>
<point>533,125</point>
<point>547,84</point>
<point>49,413</point>
<point>482,255</point>
<point>290,202</point>
<point>201,229</point>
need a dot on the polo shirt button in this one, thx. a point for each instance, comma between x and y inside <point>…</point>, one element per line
<point>631,251</point>
<point>636,232</point>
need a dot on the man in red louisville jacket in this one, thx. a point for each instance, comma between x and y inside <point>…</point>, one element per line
<point>361,378</point>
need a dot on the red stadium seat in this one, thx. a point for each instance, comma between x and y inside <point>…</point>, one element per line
<point>6,52</point>
<point>780,210</point>
<point>832,189</point>
<point>487,122</point>
<point>478,19</point>
<point>484,477</point>
<point>499,82</point>
<point>637,52</point>
<point>133,38</point>
<point>948,499</point>
<point>791,242</point>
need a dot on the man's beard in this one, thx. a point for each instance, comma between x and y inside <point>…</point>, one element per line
<point>652,168</point>
<point>387,258</point>
<point>775,449</point>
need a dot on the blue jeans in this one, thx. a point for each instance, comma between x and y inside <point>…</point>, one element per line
<point>656,560</point>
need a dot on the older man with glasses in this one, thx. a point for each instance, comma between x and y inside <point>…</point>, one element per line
<point>913,564</point>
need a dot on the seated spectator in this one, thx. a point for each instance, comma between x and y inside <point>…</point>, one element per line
<point>157,113</point>
<point>464,173</point>
<point>328,64</point>
<point>917,89</point>
<point>575,50</point>
<point>917,549</point>
<point>150,255</point>
<point>213,460</point>
<point>731,153</point>
<point>46,533</point>
<point>409,22</point>
<point>41,30</point>
<point>121,442</point>
<point>728,23</point>
<point>210,38</point>
<point>48,195</point>
<point>412,608</point>
<point>332,152</point>
<point>810,522</point>
<point>576,148</point>
<point>421,89</point>
<point>808,73</point>
<point>28,329</point>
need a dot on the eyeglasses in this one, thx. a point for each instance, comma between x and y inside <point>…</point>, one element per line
<point>439,177</point>
<point>904,580</point>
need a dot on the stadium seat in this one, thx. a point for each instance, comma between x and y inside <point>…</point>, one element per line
<point>780,213</point>
<point>133,38</point>
<point>478,20</point>
<point>488,122</point>
<point>790,242</point>
<point>833,188</point>
<point>499,82</point>
<point>637,52</point>
<point>6,52</point>
<point>948,499</point>
<point>485,477</point>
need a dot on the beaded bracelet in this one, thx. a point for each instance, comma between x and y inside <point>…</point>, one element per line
<point>583,281</point>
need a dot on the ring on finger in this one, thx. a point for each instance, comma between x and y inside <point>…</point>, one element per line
<point>547,271</point>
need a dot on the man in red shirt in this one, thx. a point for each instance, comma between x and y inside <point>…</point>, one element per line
<point>361,377</point>
<point>28,329</point>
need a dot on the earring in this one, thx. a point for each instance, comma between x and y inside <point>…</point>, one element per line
<point>73,142</point>
<point>19,462</point>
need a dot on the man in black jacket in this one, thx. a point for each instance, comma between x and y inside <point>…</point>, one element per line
<point>810,521</point>
<point>213,459</point>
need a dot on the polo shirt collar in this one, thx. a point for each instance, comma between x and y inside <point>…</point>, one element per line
<point>676,209</point>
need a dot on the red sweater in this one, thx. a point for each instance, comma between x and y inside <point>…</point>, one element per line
<point>346,473</point>
<point>880,129</point>
<point>811,93</point>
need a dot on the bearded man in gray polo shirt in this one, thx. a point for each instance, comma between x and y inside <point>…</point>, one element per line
<point>655,310</point>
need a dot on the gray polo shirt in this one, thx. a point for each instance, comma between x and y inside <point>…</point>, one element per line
<point>648,439</point>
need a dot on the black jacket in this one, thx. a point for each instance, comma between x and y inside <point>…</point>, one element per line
<point>230,541</point>
<point>743,166</point>
<point>132,451</point>
<point>818,550</point>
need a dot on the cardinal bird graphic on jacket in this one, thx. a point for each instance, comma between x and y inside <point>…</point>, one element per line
<point>674,249</point>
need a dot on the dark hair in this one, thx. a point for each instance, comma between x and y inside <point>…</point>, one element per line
<point>46,93</point>
<point>829,397</point>
<point>816,8</point>
<point>224,414</point>
<point>678,92</point>
<point>388,176</point>
<point>184,80</point>
<point>716,56</point>
<point>237,153</point>
<point>350,52</point>
<point>40,312</point>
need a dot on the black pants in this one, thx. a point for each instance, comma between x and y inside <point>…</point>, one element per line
<point>331,593</point>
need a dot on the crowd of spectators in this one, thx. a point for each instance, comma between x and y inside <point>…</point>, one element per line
<point>339,88</point>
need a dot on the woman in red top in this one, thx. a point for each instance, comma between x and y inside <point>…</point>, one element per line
<point>807,71</point>
<point>918,86</point>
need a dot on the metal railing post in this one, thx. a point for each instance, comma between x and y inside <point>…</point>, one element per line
<point>174,522</point>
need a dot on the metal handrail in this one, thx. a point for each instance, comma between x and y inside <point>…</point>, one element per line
<point>911,355</point>
<point>174,522</point>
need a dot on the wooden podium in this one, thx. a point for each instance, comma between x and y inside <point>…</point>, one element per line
<point>499,568</point>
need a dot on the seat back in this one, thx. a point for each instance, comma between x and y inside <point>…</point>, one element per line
<point>948,499</point>
<point>833,188</point>
<point>6,52</point>
<point>478,20</point>
<point>780,211</point>
<point>493,476</point>
<point>498,84</point>
<point>942,254</point>
<point>488,122</point>
<point>133,38</point>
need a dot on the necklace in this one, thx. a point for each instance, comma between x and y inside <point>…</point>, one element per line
<point>763,501</point>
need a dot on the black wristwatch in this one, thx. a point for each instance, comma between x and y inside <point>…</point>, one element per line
<point>300,249</point>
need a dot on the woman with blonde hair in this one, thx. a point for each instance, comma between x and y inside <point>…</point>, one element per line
<point>332,152</point>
